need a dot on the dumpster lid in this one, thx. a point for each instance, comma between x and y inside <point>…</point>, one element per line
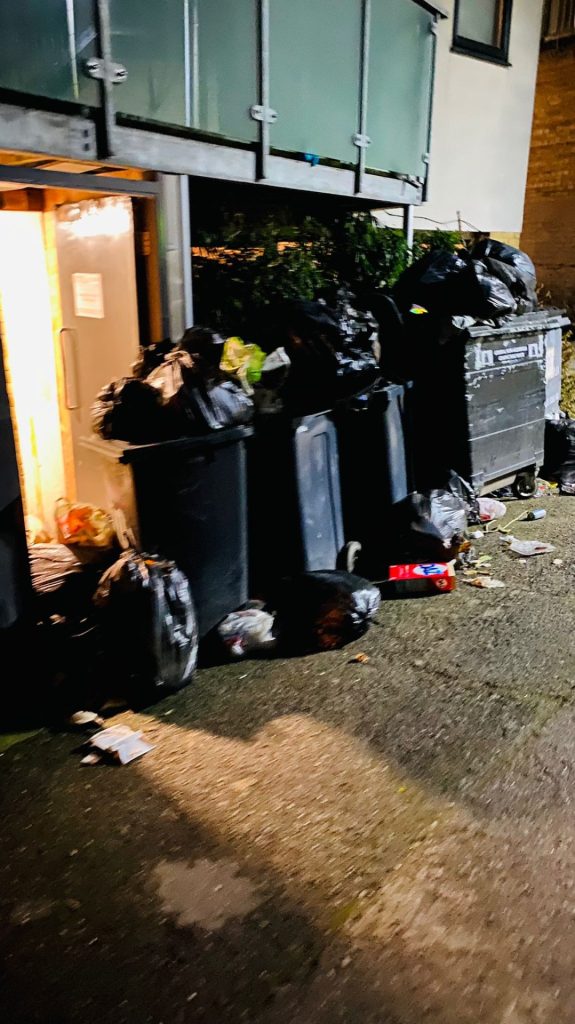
<point>542,319</point>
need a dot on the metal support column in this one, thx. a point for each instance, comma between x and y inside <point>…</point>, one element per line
<point>175,254</point>
<point>408,228</point>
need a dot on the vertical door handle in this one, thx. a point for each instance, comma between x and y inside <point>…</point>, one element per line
<point>68,348</point>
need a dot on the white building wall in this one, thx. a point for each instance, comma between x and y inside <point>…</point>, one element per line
<point>481,130</point>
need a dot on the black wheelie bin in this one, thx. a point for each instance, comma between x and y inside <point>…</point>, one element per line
<point>296,520</point>
<point>187,500</point>
<point>376,470</point>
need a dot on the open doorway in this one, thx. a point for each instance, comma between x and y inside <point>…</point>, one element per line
<point>70,323</point>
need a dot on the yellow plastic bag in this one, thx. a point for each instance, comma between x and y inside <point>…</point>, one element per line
<point>243,361</point>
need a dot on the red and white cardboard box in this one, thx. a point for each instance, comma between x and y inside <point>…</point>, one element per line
<point>423,578</point>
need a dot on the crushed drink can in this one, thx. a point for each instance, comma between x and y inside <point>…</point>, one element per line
<point>422,578</point>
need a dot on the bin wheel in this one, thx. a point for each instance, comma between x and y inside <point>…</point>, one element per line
<point>348,556</point>
<point>525,484</point>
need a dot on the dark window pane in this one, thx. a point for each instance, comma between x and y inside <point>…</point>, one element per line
<point>481,21</point>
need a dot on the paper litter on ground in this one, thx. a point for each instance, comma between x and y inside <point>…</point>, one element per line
<point>121,742</point>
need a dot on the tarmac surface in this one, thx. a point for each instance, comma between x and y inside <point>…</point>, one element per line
<point>319,840</point>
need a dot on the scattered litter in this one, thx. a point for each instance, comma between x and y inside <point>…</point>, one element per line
<point>485,583</point>
<point>360,659</point>
<point>490,509</point>
<point>527,548</point>
<point>483,560</point>
<point>248,629</point>
<point>524,517</point>
<point>558,561</point>
<point>422,579</point>
<point>91,758</point>
<point>83,525</point>
<point>476,535</point>
<point>85,719</point>
<point>119,743</point>
<point>466,556</point>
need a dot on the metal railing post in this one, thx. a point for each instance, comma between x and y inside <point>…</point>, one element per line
<point>261,111</point>
<point>361,139</point>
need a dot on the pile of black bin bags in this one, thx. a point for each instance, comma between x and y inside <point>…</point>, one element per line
<point>431,307</point>
<point>328,354</point>
<point>142,620</point>
<point>492,281</point>
<point>180,392</point>
<point>321,355</point>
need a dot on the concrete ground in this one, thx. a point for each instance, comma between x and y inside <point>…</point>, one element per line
<point>319,840</point>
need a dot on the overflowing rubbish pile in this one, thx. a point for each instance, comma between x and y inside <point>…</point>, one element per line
<point>266,483</point>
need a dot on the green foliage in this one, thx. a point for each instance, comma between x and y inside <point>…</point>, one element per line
<point>366,256</point>
<point>426,241</point>
<point>247,266</point>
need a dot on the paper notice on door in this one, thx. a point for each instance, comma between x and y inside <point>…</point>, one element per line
<point>88,295</point>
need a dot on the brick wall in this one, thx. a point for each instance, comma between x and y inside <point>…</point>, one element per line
<point>549,223</point>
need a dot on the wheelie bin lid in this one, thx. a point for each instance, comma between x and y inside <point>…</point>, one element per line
<point>123,451</point>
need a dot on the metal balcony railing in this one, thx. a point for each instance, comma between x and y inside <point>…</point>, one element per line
<point>558,20</point>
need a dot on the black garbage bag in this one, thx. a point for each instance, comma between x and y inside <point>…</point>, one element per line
<point>525,300</point>
<point>433,282</point>
<point>321,611</point>
<point>484,296</point>
<point>417,538</point>
<point>199,399</point>
<point>204,345</point>
<point>449,510</point>
<point>151,356</point>
<point>559,464</point>
<point>524,283</point>
<point>430,525</point>
<point>448,284</point>
<point>149,622</point>
<point>334,352</point>
<point>130,410</point>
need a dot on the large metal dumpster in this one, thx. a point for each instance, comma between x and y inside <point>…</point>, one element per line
<point>480,404</point>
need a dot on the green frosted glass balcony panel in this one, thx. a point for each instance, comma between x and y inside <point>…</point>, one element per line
<point>315,52</point>
<point>43,46</point>
<point>400,77</point>
<point>224,67</point>
<point>149,39</point>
